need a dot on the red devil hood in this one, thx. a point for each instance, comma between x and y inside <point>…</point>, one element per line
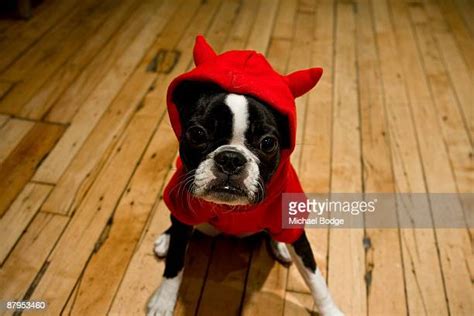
<point>243,72</point>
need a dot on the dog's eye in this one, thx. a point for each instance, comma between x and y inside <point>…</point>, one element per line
<point>268,144</point>
<point>197,135</point>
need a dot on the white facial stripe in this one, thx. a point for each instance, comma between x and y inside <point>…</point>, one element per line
<point>239,108</point>
<point>204,175</point>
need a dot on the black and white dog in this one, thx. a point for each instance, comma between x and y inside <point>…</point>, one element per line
<point>242,138</point>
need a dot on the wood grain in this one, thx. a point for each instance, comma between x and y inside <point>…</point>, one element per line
<point>384,265</point>
<point>83,232</point>
<point>423,278</point>
<point>40,103</point>
<point>11,133</point>
<point>38,64</point>
<point>98,102</point>
<point>28,257</point>
<point>18,168</point>
<point>86,149</point>
<point>77,178</point>
<point>126,225</point>
<point>438,172</point>
<point>19,215</point>
<point>345,245</point>
<point>19,36</point>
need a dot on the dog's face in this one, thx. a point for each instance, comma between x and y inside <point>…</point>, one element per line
<point>230,144</point>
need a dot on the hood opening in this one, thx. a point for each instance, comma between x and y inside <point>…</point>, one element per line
<point>243,72</point>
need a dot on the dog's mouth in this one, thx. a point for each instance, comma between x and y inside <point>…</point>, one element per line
<point>226,192</point>
<point>228,189</point>
<point>213,185</point>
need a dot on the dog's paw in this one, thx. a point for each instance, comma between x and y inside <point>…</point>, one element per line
<point>163,301</point>
<point>280,252</point>
<point>162,244</point>
<point>160,306</point>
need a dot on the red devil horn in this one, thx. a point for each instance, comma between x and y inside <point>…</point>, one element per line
<point>302,81</point>
<point>202,51</point>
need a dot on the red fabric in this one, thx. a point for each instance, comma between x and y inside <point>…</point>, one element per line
<point>242,72</point>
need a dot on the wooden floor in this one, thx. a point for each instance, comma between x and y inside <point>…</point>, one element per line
<point>86,147</point>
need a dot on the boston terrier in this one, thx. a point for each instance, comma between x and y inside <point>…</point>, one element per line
<point>234,117</point>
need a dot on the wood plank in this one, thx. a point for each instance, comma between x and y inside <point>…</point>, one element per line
<point>17,169</point>
<point>20,66</point>
<point>260,35</point>
<point>278,54</point>
<point>225,283</point>
<point>300,58</point>
<point>144,271</point>
<point>439,28</point>
<point>298,304</point>
<point>460,73</point>
<point>68,72</point>
<point>19,36</point>
<point>243,26</point>
<point>36,66</point>
<point>138,284</point>
<point>104,195</point>
<point>81,235</point>
<point>466,9</point>
<point>346,281</point>
<point>71,300</point>
<point>198,256</point>
<point>222,23</point>
<point>384,265</point>
<point>458,28</point>
<point>98,102</point>
<point>5,87</point>
<point>28,257</point>
<point>83,168</point>
<point>307,6</point>
<point>11,134</point>
<point>314,168</point>
<point>67,104</point>
<point>19,215</point>
<point>266,284</point>
<point>423,278</point>
<point>453,244</point>
<point>455,131</point>
<point>450,118</point>
<point>71,187</point>
<point>127,224</point>
<point>285,20</point>
<point>4,120</point>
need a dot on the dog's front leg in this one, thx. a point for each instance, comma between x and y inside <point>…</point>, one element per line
<point>164,299</point>
<point>303,258</point>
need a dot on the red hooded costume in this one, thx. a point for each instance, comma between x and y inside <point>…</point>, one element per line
<point>243,72</point>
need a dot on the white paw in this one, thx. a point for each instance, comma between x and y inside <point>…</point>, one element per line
<point>280,251</point>
<point>162,244</point>
<point>331,310</point>
<point>164,299</point>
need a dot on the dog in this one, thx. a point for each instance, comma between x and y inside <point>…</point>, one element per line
<point>235,136</point>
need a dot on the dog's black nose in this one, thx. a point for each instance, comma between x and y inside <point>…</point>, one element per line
<point>230,161</point>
